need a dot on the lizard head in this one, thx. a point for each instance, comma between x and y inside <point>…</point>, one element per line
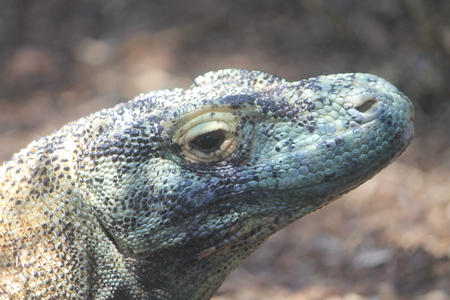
<point>206,174</point>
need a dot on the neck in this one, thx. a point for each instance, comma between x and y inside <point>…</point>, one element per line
<point>188,276</point>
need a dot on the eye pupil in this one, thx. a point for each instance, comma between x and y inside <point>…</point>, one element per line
<point>209,141</point>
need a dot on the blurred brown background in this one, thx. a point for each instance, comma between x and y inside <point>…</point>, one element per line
<point>389,239</point>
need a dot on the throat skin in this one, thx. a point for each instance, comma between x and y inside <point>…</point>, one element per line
<point>188,276</point>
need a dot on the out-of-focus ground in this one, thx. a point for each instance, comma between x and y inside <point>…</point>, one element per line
<point>389,239</point>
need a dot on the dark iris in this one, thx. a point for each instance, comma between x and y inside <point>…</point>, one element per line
<point>209,141</point>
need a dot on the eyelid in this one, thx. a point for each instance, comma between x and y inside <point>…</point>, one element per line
<point>204,128</point>
<point>203,124</point>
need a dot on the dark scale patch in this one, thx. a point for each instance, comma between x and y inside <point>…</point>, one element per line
<point>280,110</point>
<point>132,143</point>
<point>121,294</point>
<point>237,101</point>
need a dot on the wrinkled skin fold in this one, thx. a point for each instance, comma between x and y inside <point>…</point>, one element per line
<point>163,196</point>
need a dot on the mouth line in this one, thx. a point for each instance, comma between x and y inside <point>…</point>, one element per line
<point>396,149</point>
<point>341,183</point>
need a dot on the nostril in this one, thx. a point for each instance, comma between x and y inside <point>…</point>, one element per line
<point>366,105</point>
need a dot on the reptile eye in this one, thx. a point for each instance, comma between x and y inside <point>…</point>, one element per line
<point>208,138</point>
<point>209,141</point>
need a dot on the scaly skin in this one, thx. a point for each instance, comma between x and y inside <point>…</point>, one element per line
<point>163,196</point>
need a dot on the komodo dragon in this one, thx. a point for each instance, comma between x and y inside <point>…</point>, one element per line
<point>163,196</point>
